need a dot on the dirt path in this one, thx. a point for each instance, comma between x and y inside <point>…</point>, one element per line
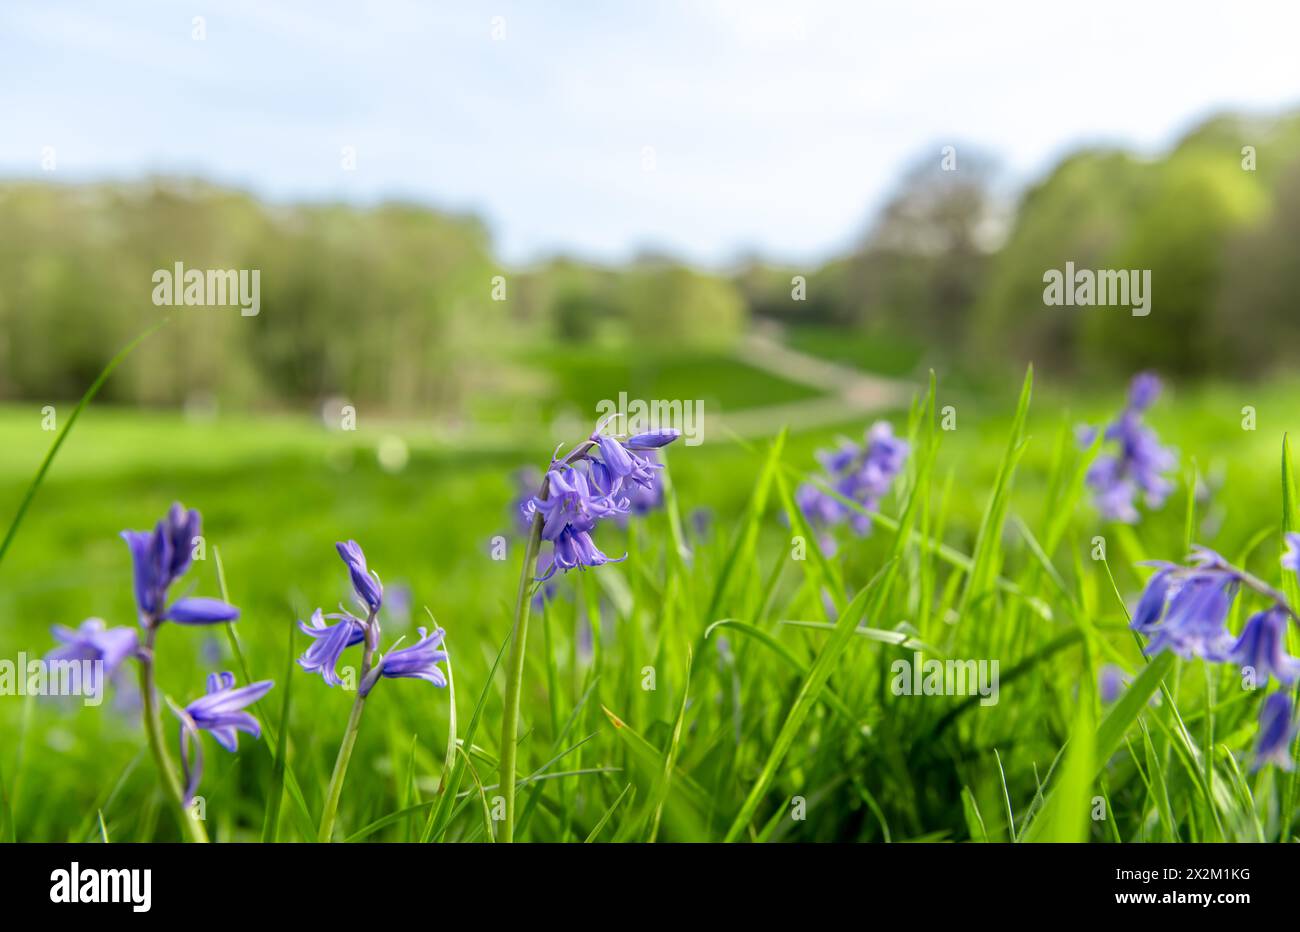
<point>849,392</point>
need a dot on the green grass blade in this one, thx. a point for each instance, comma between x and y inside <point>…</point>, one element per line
<point>440,814</point>
<point>91,392</point>
<point>604,819</point>
<point>275,800</point>
<point>670,760</point>
<point>803,703</point>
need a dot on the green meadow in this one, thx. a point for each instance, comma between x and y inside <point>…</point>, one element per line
<point>729,680</point>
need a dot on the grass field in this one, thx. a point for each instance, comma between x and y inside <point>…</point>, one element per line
<point>756,728</point>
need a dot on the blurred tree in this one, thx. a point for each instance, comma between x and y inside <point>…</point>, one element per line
<point>922,263</point>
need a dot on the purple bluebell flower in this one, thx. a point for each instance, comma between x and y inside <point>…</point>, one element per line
<point>527,481</point>
<point>1262,647</point>
<point>575,549</point>
<point>1276,732</point>
<point>1111,682</point>
<point>162,556</point>
<point>1184,609</point>
<point>572,502</point>
<point>596,483</point>
<point>653,439</point>
<point>863,474</point>
<point>330,642</point>
<point>625,467</point>
<point>419,661</point>
<point>1138,468</point>
<point>364,583</point>
<point>647,498</point>
<point>1291,559</point>
<point>1152,603</point>
<point>221,713</point>
<point>94,641</point>
<point>1194,621</point>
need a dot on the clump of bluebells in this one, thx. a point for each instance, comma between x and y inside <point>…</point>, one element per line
<point>606,477</point>
<point>1138,467</point>
<point>160,557</point>
<point>861,473</point>
<point>1184,610</point>
<point>329,641</point>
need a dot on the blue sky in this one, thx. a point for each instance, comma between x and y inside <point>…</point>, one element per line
<point>776,127</point>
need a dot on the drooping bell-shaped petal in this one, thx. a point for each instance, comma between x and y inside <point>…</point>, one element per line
<point>645,499</point>
<point>419,661</point>
<point>200,611</point>
<point>367,587</point>
<point>1152,602</point>
<point>330,641</point>
<point>1262,648</point>
<point>1276,733</point>
<point>575,549</point>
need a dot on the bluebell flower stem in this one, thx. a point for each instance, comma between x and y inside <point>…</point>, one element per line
<point>335,792</point>
<point>514,683</point>
<point>191,828</point>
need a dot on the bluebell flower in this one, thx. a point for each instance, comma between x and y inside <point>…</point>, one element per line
<point>95,641</point>
<point>574,549</point>
<point>653,439</point>
<point>860,473</point>
<point>527,481</point>
<point>221,713</point>
<point>1184,609</point>
<point>364,583</point>
<point>625,467</point>
<point>1194,621</point>
<point>1152,603</point>
<point>162,556</point>
<point>1291,559</point>
<point>571,501</point>
<point>419,661</point>
<point>599,481</point>
<point>1138,468</point>
<point>1262,647</point>
<point>330,642</point>
<point>1111,681</point>
<point>1276,732</point>
<point>647,498</point>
